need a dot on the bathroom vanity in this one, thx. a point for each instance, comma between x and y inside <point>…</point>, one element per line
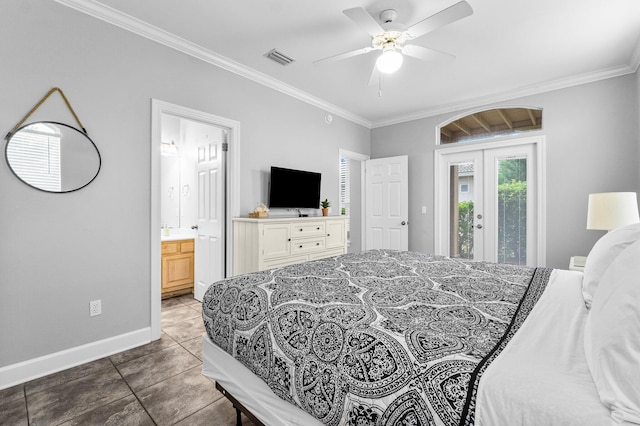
<point>177,266</point>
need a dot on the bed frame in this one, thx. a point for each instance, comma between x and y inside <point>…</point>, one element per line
<point>240,409</point>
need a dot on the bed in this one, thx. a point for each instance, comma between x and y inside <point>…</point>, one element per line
<point>390,337</point>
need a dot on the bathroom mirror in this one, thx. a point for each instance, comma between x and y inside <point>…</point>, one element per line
<point>52,157</point>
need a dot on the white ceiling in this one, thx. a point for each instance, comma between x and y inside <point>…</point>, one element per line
<point>507,48</point>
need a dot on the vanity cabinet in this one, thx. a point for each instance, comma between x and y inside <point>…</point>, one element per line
<point>260,244</point>
<point>177,267</point>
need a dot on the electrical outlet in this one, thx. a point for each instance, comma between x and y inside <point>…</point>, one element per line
<point>95,308</point>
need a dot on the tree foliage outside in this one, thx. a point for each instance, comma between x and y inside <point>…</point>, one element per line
<point>513,169</point>
<point>465,229</point>
<point>512,223</point>
<point>512,211</point>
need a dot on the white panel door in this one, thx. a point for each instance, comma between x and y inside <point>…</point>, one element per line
<point>387,203</point>
<point>209,251</point>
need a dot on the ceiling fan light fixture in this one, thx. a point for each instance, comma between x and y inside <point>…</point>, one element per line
<point>390,61</point>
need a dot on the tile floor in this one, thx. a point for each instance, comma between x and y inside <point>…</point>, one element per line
<point>157,384</point>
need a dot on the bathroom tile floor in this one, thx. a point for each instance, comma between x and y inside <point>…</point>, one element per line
<point>156,384</point>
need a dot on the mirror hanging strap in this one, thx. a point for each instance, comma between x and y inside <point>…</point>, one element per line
<point>44,98</point>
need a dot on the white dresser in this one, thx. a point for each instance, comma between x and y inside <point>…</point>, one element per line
<point>260,244</point>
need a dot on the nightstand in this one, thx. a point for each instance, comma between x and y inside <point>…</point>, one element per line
<point>576,263</point>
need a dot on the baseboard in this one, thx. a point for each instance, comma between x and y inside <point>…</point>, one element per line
<point>38,367</point>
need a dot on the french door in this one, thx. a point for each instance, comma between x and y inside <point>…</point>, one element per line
<point>488,202</point>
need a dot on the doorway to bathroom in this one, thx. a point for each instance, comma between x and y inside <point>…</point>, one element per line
<point>194,173</point>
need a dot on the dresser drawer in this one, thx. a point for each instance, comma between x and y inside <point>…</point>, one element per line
<point>308,245</point>
<point>308,229</point>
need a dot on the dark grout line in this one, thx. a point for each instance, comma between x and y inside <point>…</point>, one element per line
<point>26,404</point>
<point>134,394</point>
<point>165,379</point>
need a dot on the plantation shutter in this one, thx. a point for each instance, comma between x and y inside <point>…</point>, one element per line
<point>345,188</point>
<point>345,193</point>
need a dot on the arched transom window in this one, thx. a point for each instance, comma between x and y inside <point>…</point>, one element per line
<point>490,123</point>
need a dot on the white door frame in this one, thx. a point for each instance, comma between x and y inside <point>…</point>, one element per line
<point>232,198</point>
<point>440,195</point>
<point>343,153</point>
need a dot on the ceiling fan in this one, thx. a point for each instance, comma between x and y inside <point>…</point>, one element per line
<point>391,40</point>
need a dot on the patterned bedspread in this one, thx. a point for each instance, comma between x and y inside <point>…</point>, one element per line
<point>375,338</point>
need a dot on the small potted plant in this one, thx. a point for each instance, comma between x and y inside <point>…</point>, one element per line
<point>325,207</point>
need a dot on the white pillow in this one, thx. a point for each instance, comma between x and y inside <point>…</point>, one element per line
<point>612,336</point>
<point>602,254</point>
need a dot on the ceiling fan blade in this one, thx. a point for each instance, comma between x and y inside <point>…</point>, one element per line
<point>345,55</point>
<point>365,21</point>
<point>444,17</point>
<point>426,54</point>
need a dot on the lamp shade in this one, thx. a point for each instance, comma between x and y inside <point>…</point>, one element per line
<point>610,210</point>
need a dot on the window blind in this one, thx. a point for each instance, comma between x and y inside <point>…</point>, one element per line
<point>36,159</point>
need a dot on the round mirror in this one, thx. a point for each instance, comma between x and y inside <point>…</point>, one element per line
<point>53,157</point>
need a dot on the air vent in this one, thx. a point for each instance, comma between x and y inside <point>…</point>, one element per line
<point>280,58</point>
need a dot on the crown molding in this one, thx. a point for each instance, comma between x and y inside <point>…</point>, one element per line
<point>115,17</point>
<point>513,94</point>
<point>127,22</point>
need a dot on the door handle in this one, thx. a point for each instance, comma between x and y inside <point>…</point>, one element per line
<point>479,226</point>
<point>403,223</point>
<point>194,227</point>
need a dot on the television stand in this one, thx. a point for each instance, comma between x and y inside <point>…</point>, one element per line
<point>260,244</point>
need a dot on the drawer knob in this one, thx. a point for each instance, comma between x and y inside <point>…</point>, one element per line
<point>289,239</point>
<point>318,228</point>
<point>300,246</point>
<point>300,229</point>
<point>328,235</point>
<point>317,244</point>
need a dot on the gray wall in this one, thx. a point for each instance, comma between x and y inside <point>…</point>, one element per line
<point>593,144</point>
<point>58,252</point>
<point>638,118</point>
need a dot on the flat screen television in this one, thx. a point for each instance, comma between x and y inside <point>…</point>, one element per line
<point>294,189</point>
